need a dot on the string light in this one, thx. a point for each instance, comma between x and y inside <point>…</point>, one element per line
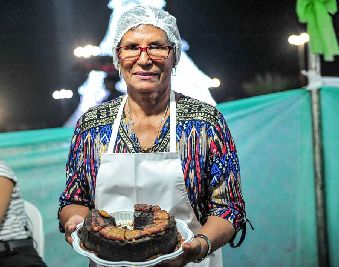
<point>62,94</point>
<point>215,82</point>
<point>299,39</point>
<point>87,51</point>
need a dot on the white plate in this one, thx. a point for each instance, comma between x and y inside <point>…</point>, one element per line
<point>125,218</point>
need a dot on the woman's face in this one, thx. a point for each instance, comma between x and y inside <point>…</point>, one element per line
<point>143,74</point>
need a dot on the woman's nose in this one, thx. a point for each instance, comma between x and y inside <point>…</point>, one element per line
<point>144,58</point>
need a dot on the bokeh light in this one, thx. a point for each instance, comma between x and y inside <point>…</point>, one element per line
<point>62,94</point>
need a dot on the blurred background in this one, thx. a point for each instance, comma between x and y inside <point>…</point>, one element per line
<point>244,44</point>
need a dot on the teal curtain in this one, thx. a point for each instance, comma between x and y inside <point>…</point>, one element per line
<point>330,121</point>
<point>274,141</point>
<point>273,134</point>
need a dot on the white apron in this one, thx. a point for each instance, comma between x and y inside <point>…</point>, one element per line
<point>125,179</point>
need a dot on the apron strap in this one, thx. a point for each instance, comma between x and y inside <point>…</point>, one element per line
<point>173,122</point>
<point>115,126</point>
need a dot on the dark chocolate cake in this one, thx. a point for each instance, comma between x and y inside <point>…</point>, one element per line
<point>153,233</point>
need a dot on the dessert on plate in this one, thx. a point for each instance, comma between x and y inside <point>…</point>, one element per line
<point>149,232</point>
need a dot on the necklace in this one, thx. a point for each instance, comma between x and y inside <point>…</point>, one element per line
<point>130,126</point>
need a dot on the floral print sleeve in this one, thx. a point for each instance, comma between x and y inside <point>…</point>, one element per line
<point>78,184</point>
<point>223,168</point>
<point>209,162</point>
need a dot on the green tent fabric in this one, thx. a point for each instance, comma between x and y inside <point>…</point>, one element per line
<point>319,26</point>
<point>330,119</point>
<point>274,141</point>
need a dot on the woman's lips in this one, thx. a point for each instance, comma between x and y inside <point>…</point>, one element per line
<point>146,75</point>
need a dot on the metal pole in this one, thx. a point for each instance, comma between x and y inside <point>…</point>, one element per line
<point>322,234</point>
<point>301,64</point>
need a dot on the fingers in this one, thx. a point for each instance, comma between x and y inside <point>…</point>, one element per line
<point>192,249</point>
<point>70,227</point>
<point>191,253</point>
<point>69,239</point>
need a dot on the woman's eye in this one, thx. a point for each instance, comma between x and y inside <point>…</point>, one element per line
<point>155,47</point>
<point>131,47</point>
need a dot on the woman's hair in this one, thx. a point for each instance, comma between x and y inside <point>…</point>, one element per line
<point>141,15</point>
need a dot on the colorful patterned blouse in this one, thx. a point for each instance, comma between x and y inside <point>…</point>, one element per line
<point>208,154</point>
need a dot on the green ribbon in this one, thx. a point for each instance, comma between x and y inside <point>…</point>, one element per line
<point>319,26</point>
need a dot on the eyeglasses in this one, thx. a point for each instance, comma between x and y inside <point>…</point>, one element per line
<point>154,52</point>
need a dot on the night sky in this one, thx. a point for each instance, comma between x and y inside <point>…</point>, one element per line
<point>231,40</point>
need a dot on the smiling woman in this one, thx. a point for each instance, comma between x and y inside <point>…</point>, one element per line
<point>155,146</point>
<point>148,78</point>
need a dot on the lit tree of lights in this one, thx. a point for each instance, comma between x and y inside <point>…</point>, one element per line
<point>189,80</point>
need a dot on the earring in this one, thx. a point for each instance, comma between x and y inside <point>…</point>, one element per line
<point>119,70</point>
<point>174,71</point>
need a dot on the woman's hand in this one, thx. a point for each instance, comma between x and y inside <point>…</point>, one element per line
<point>70,217</point>
<point>70,227</point>
<point>192,251</point>
<point>219,232</point>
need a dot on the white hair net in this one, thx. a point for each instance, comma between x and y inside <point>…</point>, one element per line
<point>143,14</point>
